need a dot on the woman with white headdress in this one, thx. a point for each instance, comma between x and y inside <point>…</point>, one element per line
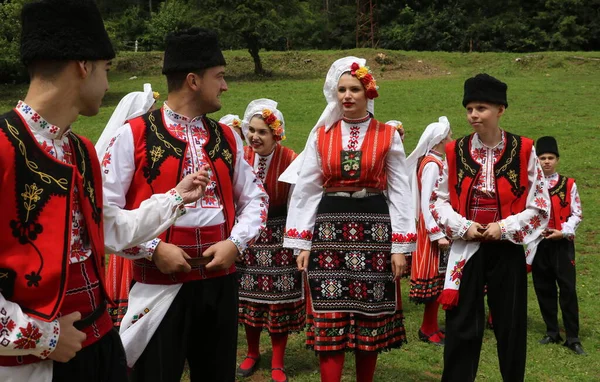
<point>271,289</point>
<point>352,240</point>
<point>233,121</point>
<point>428,266</point>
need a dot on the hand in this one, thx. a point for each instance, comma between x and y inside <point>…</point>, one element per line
<point>553,234</point>
<point>398,265</point>
<point>473,233</point>
<point>302,260</point>
<point>69,339</point>
<point>443,244</point>
<point>192,186</point>
<point>492,232</point>
<point>169,258</point>
<point>224,254</point>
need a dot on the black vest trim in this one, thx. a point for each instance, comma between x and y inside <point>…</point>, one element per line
<point>84,166</point>
<point>560,189</point>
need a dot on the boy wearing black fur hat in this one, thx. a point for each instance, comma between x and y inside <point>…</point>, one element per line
<point>53,301</point>
<point>554,261</point>
<point>490,200</point>
<point>184,303</point>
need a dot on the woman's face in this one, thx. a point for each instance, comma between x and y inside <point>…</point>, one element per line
<point>351,95</point>
<point>260,136</point>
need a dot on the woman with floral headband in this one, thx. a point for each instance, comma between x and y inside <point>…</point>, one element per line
<point>271,290</point>
<point>234,122</point>
<point>352,240</point>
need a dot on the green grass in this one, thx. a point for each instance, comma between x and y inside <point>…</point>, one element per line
<point>549,94</point>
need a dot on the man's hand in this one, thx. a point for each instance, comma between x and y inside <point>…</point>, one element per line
<point>170,258</point>
<point>69,340</point>
<point>398,265</point>
<point>553,234</point>
<point>492,232</point>
<point>224,254</point>
<point>302,260</point>
<point>443,244</point>
<point>474,232</point>
<point>192,187</point>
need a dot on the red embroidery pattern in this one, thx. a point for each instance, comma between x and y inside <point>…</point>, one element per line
<point>402,238</point>
<point>28,338</point>
<point>457,271</point>
<point>535,222</point>
<point>434,230</point>
<point>262,168</point>
<point>304,235</point>
<point>7,325</point>
<point>354,134</point>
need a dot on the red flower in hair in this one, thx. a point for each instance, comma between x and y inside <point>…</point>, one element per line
<point>354,67</point>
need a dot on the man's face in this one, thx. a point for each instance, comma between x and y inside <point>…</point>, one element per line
<point>484,116</point>
<point>211,85</point>
<point>548,162</point>
<point>94,86</point>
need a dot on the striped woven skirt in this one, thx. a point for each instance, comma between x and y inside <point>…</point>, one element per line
<point>426,282</point>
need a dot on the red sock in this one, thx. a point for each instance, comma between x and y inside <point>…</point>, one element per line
<point>365,365</point>
<point>430,321</point>
<point>253,338</point>
<point>331,364</point>
<point>278,341</point>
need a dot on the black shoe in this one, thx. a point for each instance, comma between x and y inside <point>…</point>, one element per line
<point>548,339</point>
<point>425,338</point>
<point>248,372</point>
<point>576,347</point>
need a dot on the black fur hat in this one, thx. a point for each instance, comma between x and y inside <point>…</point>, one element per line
<point>192,49</point>
<point>63,30</point>
<point>485,88</point>
<point>545,145</point>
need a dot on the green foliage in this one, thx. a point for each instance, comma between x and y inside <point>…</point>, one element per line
<point>172,15</point>
<point>11,69</point>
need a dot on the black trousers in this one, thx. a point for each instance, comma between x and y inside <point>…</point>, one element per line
<point>554,263</point>
<point>500,265</point>
<point>103,361</point>
<point>200,327</point>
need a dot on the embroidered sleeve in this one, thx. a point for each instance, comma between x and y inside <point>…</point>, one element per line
<point>23,335</point>
<point>570,226</point>
<point>125,229</point>
<point>251,200</point>
<point>305,199</point>
<point>529,224</point>
<point>430,174</point>
<point>404,232</point>
<point>450,222</point>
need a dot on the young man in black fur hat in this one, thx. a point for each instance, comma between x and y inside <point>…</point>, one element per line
<point>53,301</point>
<point>554,261</point>
<point>490,200</point>
<point>184,303</point>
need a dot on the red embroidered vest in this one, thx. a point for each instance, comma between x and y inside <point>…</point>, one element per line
<point>510,172</point>
<point>338,166</point>
<point>159,161</point>
<point>278,191</point>
<point>560,196</point>
<point>36,218</point>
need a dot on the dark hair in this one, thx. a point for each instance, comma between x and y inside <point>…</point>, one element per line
<point>46,69</point>
<point>176,80</point>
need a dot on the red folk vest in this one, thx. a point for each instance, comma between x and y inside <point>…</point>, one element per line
<point>510,172</point>
<point>278,191</point>
<point>159,160</point>
<point>560,196</point>
<point>375,147</point>
<point>35,223</point>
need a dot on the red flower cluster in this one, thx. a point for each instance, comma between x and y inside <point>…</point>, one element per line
<point>366,78</point>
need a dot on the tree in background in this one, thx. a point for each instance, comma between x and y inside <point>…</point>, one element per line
<point>11,69</point>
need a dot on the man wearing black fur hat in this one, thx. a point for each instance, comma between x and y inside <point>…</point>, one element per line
<point>183,305</point>
<point>53,301</point>
<point>490,200</point>
<point>554,261</point>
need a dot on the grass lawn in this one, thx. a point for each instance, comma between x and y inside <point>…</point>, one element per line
<point>548,94</point>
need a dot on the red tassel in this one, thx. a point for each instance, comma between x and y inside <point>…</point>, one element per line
<point>448,298</point>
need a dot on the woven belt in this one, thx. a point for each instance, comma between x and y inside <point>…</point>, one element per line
<point>352,192</point>
<point>91,318</point>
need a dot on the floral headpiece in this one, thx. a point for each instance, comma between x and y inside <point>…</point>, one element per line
<point>236,123</point>
<point>155,95</point>
<point>274,124</point>
<point>366,78</point>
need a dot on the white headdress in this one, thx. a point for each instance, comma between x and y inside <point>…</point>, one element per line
<point>132,105</point>
<point>260,107</point>
<point>230,120</point>
<point>333,111</point>
<point>398,126</point>
<point>434,133</point>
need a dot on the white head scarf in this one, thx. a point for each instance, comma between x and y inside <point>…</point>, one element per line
<point>397,125</point>
<point>333,111</point>
<point>229,120</point>
<point>132,105</point>
<point>256,107</point>
<point>434,133</point>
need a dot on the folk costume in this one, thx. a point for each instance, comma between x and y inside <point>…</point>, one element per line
<point>502,184</point>
<point>271,287</point>
<point>52,254</point>
<point>191,316</point>
<point>339,213</point>
<point>428,262</point>
<point>554,261</point>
